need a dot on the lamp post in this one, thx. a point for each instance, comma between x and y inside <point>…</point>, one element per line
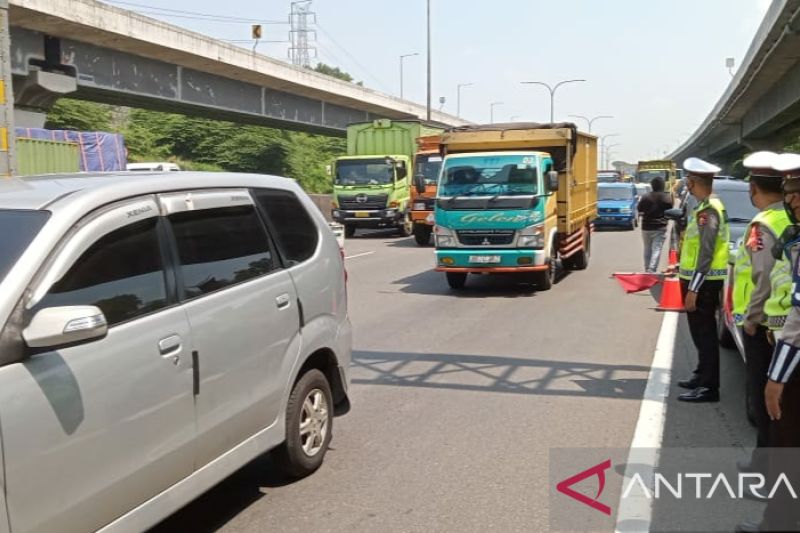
<point>402,57</point>
<point>491,111</point>
<point>552,90</point>
<point>602,145</point>
<point>590,121</point>
<point>458,96</point>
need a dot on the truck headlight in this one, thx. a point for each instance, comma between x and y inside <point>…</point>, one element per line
<point>626,210</point>
<point>444,238</point>
<point>531,237</point>
<point>391,212</point>
<point>419,206</point>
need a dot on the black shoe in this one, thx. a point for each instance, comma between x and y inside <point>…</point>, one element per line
<point>691,383</point>
<point>748,527</point>
<point>700,395</point>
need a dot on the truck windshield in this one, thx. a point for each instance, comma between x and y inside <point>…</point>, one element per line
<point>17,229</point>
<point>428,165</point>
<point>364,172</point>
<point>614,193</point>
<point>646,176</point>
<point>507,175</point>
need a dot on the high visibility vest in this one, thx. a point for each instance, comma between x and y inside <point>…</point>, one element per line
<point>776,220</point>
<point>780,299</point>
<point>690,250</point>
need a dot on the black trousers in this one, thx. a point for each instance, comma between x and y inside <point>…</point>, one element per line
<point>703,327</point>
<point>782,512</point>
<point>758,352</point>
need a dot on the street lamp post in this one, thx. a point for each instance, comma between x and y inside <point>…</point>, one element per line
<point>590,121</point>
<point>428,111</point>
<point>402,57</point>
<point>552,90</point>
<point>458,96</point>
<point>491,111</point>
<point>608,153</point>
<point>602,145</point>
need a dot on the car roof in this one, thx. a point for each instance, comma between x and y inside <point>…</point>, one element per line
<point>40,192</point>
<point>731,185</point>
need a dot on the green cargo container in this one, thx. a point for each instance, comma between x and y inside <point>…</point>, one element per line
<point>387,137</point>
<point>35,157</point>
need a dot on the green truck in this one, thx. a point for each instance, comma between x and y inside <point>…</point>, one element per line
<point>372,183</point>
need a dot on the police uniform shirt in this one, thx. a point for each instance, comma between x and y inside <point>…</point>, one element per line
<point>708,224</point>
<point>787,353</point>
<point>759,244</point>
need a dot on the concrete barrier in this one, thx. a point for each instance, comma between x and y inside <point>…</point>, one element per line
<point>323,203</point>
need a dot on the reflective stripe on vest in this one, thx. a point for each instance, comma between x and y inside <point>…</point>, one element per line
<point>690,250</point>
<point>776,221</point>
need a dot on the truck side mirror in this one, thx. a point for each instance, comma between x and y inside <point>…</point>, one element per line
<point>419,183</point>
<point>552,181</point>
<point>401,170</point>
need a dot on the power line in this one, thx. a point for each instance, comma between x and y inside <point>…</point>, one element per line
<point>178,13</point>
<point>353,59</point>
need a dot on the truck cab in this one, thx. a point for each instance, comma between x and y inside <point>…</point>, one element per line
<point>427,165</point>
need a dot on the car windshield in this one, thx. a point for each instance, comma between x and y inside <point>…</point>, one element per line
<point>646,176</point>
<point>364,171</point>
<point>428,165</point>
<point>508,175</point>
<point>737,204</point>
<point>17,229</point>
<point>614,193</point>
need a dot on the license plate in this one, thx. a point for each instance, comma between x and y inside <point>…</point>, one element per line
<point>362,214</point>
<point>484,259</point>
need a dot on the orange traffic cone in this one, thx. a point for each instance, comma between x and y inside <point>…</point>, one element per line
<point>673,257</point>
<point>671,296</point>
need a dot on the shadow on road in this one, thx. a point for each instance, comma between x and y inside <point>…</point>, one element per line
<point>221,504</point>
<point>433,283</point>
<point>511,375</point>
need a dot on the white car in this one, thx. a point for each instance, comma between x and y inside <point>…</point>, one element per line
<point>158,333</point>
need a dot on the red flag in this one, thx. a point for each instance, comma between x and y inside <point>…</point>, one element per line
<point>636,282</point>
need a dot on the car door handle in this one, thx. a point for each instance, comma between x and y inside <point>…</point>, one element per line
<point>169,345</point>
<point>283,301</point>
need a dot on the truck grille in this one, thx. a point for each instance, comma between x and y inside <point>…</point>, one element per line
<point>498,237</point>
<point>608,210</point>
<point>363,201</point>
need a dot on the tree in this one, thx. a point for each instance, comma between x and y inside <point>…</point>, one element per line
<point>335,72</point>
<point>69,114</point>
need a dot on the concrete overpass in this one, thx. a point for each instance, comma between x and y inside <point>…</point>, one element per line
<point>94,51</point>
<point>761,107</point>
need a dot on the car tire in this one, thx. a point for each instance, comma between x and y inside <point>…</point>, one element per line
<point>422,234</point>
<point>456,280</point>
<point>349,232</point>
<point>310,404</point>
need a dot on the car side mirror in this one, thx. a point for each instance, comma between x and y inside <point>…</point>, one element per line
<point>552,181</point>
<point>59,326</point>
<point>419,183</point>
<point>674,214</point>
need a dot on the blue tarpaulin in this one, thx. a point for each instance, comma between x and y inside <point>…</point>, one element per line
<point>99,151</point>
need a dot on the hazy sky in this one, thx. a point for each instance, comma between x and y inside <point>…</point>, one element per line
<point>657,66</point>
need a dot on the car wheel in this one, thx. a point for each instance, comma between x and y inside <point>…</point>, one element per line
<point>456,280</point>
<point>309,425</point>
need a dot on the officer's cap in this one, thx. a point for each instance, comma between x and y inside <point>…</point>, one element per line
<point>760,164</point>
<point>788,165</point>
<point>704,169</point>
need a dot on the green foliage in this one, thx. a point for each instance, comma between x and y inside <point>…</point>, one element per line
<point>210,145</point>
<point>78,115</point>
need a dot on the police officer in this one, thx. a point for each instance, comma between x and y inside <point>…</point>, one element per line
<point>752,287</point>
<point>702,269</point>
<point>782,392</point>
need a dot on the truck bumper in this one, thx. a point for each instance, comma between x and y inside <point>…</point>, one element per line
<point>422,217</point>
<point>613,220</point>
<point>368,219</point>
<point>459,260</point>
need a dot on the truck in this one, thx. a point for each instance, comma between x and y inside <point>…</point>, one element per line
<point>515,199</point>
<point>660,168</point>
<point>427,164</point>
<point>372,183</point>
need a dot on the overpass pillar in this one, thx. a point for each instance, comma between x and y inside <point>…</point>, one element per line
<point>37,92</point>
<point>7,138</point>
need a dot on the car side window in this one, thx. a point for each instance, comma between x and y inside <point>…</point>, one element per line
<point>296,233</point>
<point>220,247</point>
<point>122,274</point>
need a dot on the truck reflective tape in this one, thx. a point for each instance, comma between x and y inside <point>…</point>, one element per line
<point>2,92</point>
<point>3,139</point>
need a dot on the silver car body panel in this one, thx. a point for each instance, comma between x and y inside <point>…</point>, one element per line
<point>62,412</point>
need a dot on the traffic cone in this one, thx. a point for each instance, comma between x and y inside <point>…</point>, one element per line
<point>673,257</point>
<point>671,296</point>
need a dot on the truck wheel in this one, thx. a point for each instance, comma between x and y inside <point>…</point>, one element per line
<point>309,425</point>
<point>349,231</point>
<point>548,278</point>
<point>406,226</point>
<point>456,280</point>
<point>422,234</point>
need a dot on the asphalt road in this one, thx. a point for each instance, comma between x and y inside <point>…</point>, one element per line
<point>458,397</point>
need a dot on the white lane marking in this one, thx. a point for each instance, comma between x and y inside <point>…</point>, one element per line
<point>637,511</point>
<point>358,255</point>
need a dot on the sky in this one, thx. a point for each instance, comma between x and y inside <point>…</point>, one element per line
<point>657,66</point>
